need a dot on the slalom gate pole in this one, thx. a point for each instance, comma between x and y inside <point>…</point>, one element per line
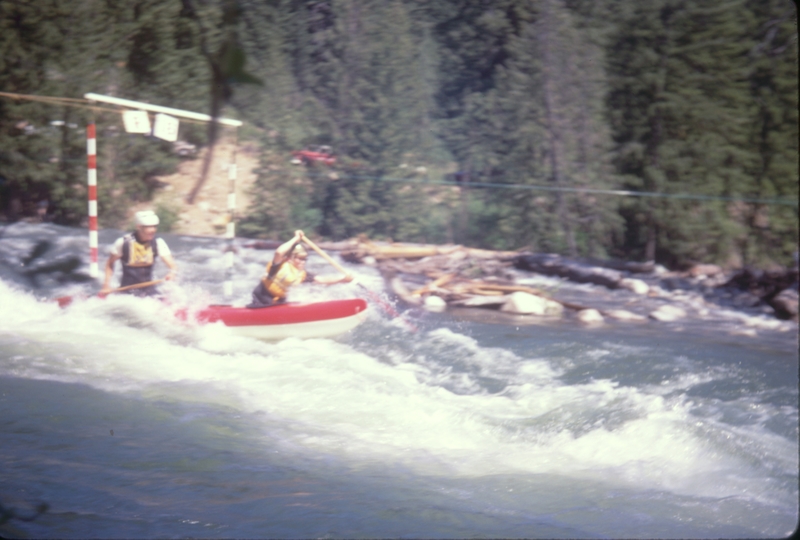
<point>230,227</point>
<point>91,159</point>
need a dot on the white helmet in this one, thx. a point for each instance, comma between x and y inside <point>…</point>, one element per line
<point>146,218</point>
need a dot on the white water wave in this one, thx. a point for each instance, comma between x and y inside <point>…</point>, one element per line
<point>323,397</point>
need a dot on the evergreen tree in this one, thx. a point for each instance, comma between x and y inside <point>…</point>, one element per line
<point>139,50</point>
<point>552,91</point>
<point>29,143</point>
<point>359,78</point>
<point>701,100</point>
<point>772,230</point>
<point>472,38</point>
<point>679,106</point>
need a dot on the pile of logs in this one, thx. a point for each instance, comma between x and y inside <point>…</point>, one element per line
<point>439,276</point>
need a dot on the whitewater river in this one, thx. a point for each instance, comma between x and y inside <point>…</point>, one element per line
<point>129,423</point>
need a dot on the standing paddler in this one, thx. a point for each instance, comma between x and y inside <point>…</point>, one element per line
<point>138,252</point>
<point>288,267</point>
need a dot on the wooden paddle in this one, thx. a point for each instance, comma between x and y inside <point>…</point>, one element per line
<point>389,309</point>
<point>129,287</point>
<point>325,256</point>
<point>64,301</point>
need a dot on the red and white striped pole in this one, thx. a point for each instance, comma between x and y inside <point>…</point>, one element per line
<point>91,156</point>
<point>230,229</point>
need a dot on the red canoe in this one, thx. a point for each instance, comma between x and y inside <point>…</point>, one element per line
<point>319,319</point>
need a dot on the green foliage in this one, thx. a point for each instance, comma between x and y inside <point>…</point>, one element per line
<point>561,101</point>
<point>686,121</point>
<point>168,216</point>
<point>67,48</point>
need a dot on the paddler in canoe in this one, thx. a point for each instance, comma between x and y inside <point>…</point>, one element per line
<point>138,252</point>
<point>287,269</point>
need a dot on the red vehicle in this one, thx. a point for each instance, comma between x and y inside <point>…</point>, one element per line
<point>314,154</point>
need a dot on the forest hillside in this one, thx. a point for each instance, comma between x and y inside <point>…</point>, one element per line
<point>659,131</point>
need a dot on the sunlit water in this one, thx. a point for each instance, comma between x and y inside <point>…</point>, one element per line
<point>130,423</point>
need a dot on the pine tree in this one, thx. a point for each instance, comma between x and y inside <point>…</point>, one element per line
<point>472,39</point>
<point>679,108</point>
<point>534,115</point>
<point>772,230</point>
<point>43,145</point>
<point>69,48</point>
<point>360,86</point>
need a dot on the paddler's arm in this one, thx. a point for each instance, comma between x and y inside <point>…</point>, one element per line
<point>166,255</point>
<point>283,251</point>
<point>173,268</point>
<point>109,272</point>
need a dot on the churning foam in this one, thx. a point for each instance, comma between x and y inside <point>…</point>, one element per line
<point>323,396</point>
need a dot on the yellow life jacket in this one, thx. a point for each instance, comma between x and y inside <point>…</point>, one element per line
<point>278,284</point>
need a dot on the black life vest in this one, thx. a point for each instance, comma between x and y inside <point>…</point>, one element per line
<point>137,260</point>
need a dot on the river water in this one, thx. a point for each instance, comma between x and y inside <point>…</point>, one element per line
<point>129,423</point>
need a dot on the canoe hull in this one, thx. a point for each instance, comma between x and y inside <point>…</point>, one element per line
<point>320,319</point>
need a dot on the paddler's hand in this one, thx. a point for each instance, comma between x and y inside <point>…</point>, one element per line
<point>298,235</point>
<point>170,276</point>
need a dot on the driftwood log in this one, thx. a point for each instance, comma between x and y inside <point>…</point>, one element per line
<point>459,275</point>
<point>455,275</point>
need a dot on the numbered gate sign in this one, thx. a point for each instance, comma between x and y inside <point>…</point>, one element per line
<point>166,127</point>
<point>136,121</point>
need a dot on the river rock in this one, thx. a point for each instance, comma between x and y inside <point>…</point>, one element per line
<point>434,303</point>
<point>528,304</point>
<point>785,304</point>
<point>636,285</point>
<point>747,332</point>
<point>746,299</point>
<point>624,315</point>
<point>590,316</point>
<point>481,301</point>
<point>625,266</point>
<point>550,264</point>
<point>668,313</point>
<point>706,270</point>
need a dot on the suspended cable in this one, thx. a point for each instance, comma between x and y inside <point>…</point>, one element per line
<point>537,187</point>
<point>83,103</point>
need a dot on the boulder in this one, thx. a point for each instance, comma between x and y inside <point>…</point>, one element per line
<point>624,266</point>
<point>747,332</point>
<point>706,270</point>
<point>590,316</point>
<point>746,300</point>
<point>528,304</point>
<point>434,303</point>
<point>668,313</point>
<point>550,264</point>
<point>481,301</point>
<point>636,285</point>
<point>761,283</point>
<point>785,304</point>
<point>624,315</point>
